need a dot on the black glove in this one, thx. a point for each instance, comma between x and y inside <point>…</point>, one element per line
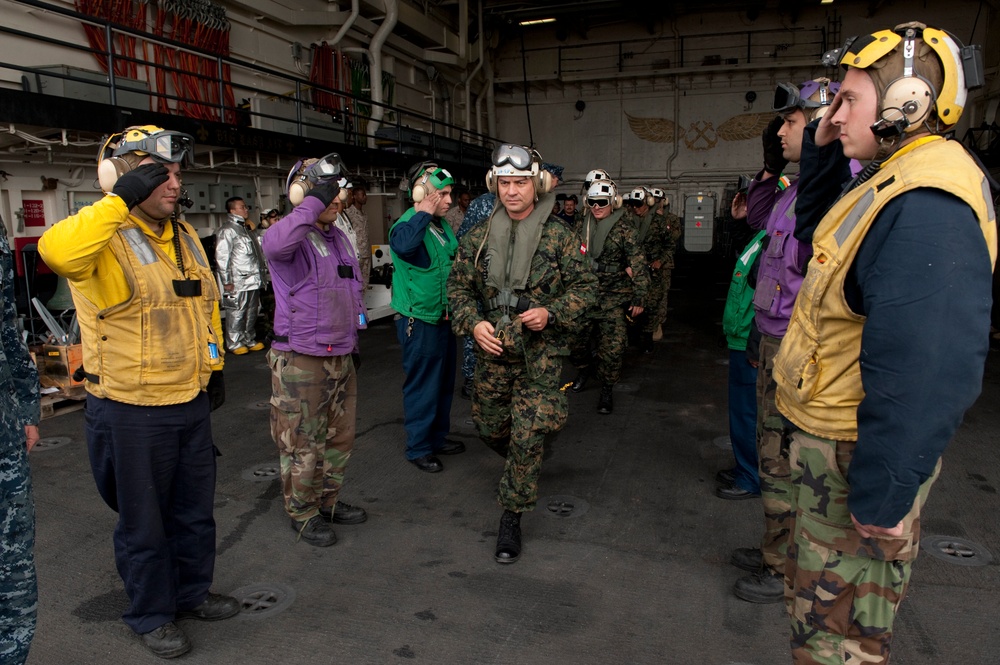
<point>356,357</point>
<point>135,186</point>
<point>216,390</point>
<point>774,161</point>
<point>325,191</point>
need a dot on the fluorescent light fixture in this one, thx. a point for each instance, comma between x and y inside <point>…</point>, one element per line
<point>537,21</point>
<point>826,2</point>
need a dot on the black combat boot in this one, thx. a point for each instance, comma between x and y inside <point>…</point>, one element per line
<point>580,381</point>
<point>646,342</point>
<point>606,403</point>
<point>509,538</point>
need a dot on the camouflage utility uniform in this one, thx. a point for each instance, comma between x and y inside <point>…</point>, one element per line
<point>477,212</point>
<point>517,400</point>
<point>651,233</point>
<point>19,396</point>
<point>673,236</point>
<point>616,293</point>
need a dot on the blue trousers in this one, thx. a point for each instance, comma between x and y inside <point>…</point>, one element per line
<point>18,585</point>
<point>429,363</point>
<point>743,420</point>
<point>155,466</point>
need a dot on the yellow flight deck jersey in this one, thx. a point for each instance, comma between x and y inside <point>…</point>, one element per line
<point>142,343</point>
<point>818,368</point>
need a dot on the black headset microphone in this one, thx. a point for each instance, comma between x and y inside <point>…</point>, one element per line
<point>888,129</point>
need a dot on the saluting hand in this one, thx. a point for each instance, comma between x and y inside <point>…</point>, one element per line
<point>827,132</point>
<point>429,203</point>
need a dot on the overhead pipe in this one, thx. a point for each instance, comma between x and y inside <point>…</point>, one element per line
<point>479,65</point>
<point>375,55</point>
<point>491,101</point>
<point>677,109</point>
<point>355,9</point>
<point>463,29</point>
<point>479,107</point>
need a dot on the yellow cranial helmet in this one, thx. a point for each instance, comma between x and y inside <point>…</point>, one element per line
<point>122,152</point>
<point>916,70</point>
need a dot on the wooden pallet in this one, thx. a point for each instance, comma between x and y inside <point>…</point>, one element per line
<point>56,404</point>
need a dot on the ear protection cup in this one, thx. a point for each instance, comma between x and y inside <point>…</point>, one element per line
<point>906,103</point>
<point>419,191</point>
<point>543,183</point>
<point>491,182</point>
<point>617,202</point>
<point>297,192</point>
<point>109,170</point>
<point>650,200</point>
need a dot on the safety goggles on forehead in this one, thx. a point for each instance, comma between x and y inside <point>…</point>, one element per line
<point>319,170</point>
<point>517,156</point>
<point>598,203</point>
<point>325,168</point>
<point>165,146</point>
<point>788,97</point>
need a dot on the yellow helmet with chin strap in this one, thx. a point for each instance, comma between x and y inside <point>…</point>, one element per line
<point>916,69</point>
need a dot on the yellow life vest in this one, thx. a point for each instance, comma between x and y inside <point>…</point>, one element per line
<point>817,369</point>
<point>152,349</point>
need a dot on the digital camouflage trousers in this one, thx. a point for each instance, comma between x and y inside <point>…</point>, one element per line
<point>514,405</point>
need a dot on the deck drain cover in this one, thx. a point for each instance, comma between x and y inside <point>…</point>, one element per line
<point>958,551</point>
<point>51,442</point>
<point>564,506</point>
<point>263,473</point>
<point>258,601</point>
<point>723,442</point>
<point>262,405</point>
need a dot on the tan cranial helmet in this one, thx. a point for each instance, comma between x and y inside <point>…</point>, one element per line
<point>918,73</point>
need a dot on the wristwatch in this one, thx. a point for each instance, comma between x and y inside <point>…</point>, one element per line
<point>552,319</point>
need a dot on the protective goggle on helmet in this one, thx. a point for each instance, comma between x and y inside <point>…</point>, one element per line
<point>122,152</point>
<point>307,173</point>
<point>806,96</point>
<point>509,159</point>
<point>149,140</point>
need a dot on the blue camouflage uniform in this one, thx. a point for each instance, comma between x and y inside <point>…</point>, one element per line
<point>20,407</point>
<point>477,212</point>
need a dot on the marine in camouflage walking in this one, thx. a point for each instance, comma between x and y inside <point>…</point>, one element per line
<point>18,433</point>
<point>651,230</point>
<point>524,268</point>
<point>610,245</point>
<point>673,236</point>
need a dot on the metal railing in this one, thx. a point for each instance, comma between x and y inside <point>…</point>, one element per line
<point>277,101</point>
<point>668,54</point>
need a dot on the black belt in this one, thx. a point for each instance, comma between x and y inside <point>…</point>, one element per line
<point>608,267</point>
<point>280,338</point>
<point>519,303</point>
